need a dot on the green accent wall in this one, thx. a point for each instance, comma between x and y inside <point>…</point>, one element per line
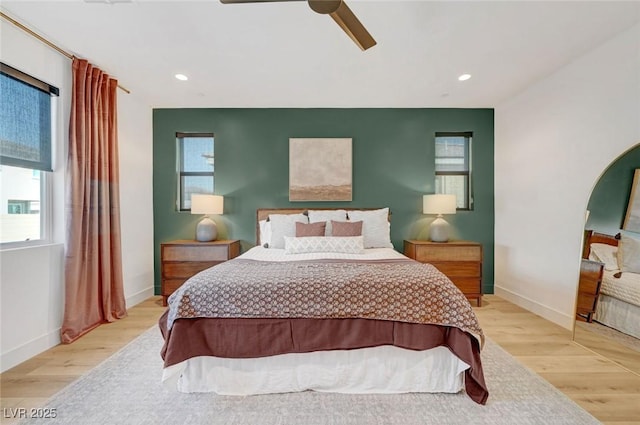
<point>393,166</point>
<point>608,202</point>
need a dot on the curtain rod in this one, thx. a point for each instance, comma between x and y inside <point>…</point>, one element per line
<point>47,42</point>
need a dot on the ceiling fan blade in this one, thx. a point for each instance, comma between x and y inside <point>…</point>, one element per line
<point>340,13</point>
<point>344,17</point>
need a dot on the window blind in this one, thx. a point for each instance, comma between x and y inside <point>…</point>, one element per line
<point>25,120</point>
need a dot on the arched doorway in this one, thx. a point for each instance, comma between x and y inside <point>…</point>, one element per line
<point>606,211</point>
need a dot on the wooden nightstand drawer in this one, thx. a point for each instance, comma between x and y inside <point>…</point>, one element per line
<point>196,253</point>
<point>458,268</point>
<point>588,289</point>
<point>468,285</point>
<point>182,259</point>
<point>169,286</point>
<point>586,303</point>
<point>588,286</point>
<point>460,261</point>
<point>185,269</point>
<point>442,252</point>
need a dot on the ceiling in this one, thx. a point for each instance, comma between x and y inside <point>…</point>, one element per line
<point>286,55</point>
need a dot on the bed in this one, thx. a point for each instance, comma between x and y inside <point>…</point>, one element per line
<point>325,312</point>
<point>618,304</point>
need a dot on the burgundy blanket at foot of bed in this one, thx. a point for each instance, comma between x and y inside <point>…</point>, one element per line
<point>250,338</point>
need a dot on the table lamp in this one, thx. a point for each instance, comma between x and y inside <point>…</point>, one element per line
<point>439,204</point>
<point>206,229</point>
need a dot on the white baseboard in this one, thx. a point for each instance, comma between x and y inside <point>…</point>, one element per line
<point>30,349</point>
<point>38,345</point>
<point>541,310</point>
<point>138,297</point>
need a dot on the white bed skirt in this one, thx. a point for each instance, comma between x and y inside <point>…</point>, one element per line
<point>618,314</point>
<point>385,369</point>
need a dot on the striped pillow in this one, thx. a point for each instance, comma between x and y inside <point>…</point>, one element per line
<point>346,228</point>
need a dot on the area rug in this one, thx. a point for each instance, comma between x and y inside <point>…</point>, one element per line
<point>126,389</point>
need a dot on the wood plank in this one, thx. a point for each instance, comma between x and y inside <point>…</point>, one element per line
<point>611,408</point>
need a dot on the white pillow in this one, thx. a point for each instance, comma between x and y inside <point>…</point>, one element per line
<point>376,229</point>
<point>343,245</point>
<point>629,254</point>
<point>606,254</point>
<point>265,233</point>
<point>327,215</point>
<point>284,225</point>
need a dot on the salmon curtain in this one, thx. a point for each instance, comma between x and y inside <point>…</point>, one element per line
<point>94,291</point>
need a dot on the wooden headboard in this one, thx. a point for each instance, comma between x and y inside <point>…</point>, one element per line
<point>263,214</point>
<point>594,237</point>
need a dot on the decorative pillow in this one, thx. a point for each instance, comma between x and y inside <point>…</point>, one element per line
<point>343,245</point>
<point>265,233</point>
<point>629,254</point>
<point>284,225</point>
<point>310,229</point>
<point>346,228</point>
<point>606,254</point>
<point>375,227</point>
<point>327,216</point>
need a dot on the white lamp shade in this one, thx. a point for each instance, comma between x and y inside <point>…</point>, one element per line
<point>439,204</point>
<point>207,204</point>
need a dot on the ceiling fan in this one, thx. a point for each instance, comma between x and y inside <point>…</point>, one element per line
<point>340,13</point>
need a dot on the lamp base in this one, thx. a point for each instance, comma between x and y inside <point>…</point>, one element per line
<point>206,230</point>
<point>439,230</point>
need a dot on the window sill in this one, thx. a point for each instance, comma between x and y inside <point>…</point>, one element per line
<point>13,246</point>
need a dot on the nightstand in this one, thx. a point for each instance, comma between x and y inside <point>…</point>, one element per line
<point>182,259</point>
<point>460,261</point>
<point>588,289</point>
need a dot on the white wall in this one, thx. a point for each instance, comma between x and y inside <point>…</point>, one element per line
<point>552,143</point>
<point>135,133</point>
<point>32,279</point>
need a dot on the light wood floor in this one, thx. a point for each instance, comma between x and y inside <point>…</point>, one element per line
<point>608,391</point>
<point>605,389</point>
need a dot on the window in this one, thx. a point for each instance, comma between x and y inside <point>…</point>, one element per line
<point>453,167</point>
<point>15,206</point>
<point>26,133</point>
<point>195,166</point>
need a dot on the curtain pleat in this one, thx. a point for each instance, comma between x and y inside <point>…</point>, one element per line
<point>94,291</point>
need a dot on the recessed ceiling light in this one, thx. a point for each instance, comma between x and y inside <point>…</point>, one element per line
<point>464,77</point>
<point>182,77</point>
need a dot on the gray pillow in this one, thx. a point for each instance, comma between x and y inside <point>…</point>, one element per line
<point>284,225</point>
<point>375,227</point>
<point>629,254</point>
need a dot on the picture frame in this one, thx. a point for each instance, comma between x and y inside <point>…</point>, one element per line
<point>320,169</point>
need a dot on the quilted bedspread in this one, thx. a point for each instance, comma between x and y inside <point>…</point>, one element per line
<point>395,289</point>
<point>625,288</point>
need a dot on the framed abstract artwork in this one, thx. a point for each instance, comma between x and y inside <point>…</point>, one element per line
<point>320,169</point>
<point>632,218</point>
